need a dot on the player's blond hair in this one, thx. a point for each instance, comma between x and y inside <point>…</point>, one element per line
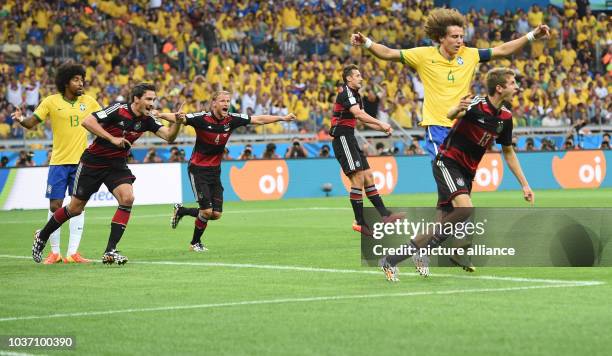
<point>439,20</point>
<point>497,76</point>
<point>218,94</point>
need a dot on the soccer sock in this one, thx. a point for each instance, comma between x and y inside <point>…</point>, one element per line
<point>76,231</point>
<point>59,217</point>
<point>357,204</point>
<point>188,211</point>
<point>118,225</point>
<point>200,225</point>
<point>376,200</point>
<point>54,237</point>
<point>394,260</point>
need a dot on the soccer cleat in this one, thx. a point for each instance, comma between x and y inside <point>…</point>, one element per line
<point>52,258</point>
<point>421,263</point>
<point>114,257</point>
<point>176,216</point>
<point>362,229</point>
<point>198,247</point>
<point>76,258</point>
<point>464,262</point>
<point>393,217</point>
<point>391,272</point>
<point>37,247</point>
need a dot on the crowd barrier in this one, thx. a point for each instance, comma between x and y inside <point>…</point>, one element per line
<point>166,183</point>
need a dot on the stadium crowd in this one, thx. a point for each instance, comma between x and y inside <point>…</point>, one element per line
<point>286,56</point>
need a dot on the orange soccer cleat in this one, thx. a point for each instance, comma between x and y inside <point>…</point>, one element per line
<point>53,258</point>
<point>76,258</point>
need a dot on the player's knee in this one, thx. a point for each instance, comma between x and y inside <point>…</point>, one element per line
<point>216,215</point>
<point>54,205</point>
<point>207,213</point>
<point>126,199</point>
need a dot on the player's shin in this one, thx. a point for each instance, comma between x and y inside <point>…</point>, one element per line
<point>76,232</point>
<point>59,217</point>
<point>200,225</point>
<point>118,225</point>
<point>54,237</point>
<point>376,200</point>
<point>357,204</point>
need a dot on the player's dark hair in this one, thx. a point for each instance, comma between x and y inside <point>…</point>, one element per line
<point>439,20</point>
<point>139,89</point>
<point>65,73</point>
<point>497,76</point>
<point>348,71</point>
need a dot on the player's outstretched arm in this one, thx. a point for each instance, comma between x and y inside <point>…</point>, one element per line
<point>169,116</point>
<point>268,119</point>
<point>459,110</point>
<point>91,124</point>
<point>377,49</point>
<point>508,48</point>
<point>28,123</point>
<point>515,167</point>
<point>171,132</point>
<point>370,121</point>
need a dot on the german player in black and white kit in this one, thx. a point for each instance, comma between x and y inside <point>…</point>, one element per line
<point>213,130</point>
<point>347,109</point>
<point>116,128</point>
<point>478,121</point>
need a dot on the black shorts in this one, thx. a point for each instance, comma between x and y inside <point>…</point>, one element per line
<point>207,187</point>
<point>89,178</point>
<point>451,179</point>
<point>348,153</point>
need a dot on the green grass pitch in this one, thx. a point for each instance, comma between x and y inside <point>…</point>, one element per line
<point>284,278</point>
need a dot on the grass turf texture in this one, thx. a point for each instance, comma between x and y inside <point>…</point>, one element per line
<point>279,313</point>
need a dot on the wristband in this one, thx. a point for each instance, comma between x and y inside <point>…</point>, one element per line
<point>530,36</point>
<point>368,43</point>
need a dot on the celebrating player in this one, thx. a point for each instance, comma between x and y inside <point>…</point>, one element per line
<point>347,109</point>
<point>445,70</point>
<point>477,122</point>
<point>116,128</point>
<point>66,110</point>
<point>213,130</point>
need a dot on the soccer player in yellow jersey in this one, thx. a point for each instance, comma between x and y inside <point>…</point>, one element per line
<point>446,69</point>
<point>66,110</point>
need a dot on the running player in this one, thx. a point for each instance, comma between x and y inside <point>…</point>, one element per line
<point>66,110</point>
<point>116,128</point>
<point>213,130</point>
<point>478,122</point>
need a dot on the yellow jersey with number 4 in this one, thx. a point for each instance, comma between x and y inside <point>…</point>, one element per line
<point>69,137</point>
<point>445,82</point>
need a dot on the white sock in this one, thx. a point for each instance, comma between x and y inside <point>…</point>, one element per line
<point>54,238</point>
<point>76,231</point>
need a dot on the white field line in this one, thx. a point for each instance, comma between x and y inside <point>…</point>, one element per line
<point>282,301</point>
<point>353,271</point>
<point>169,214</point>
<point>11,353</point>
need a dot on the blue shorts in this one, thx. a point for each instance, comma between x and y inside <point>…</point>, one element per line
<point>59,179</point>
<point>434,137</point>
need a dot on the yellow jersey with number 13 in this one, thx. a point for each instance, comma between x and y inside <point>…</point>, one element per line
<point>69,137</point>
<point>445,82</point>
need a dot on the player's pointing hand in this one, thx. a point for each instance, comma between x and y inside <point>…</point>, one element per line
<point>542,31</point>
<point>16,115</point>
<point>358,39</point>
<point>290,117</point>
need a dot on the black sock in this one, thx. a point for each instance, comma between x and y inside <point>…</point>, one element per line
<point>118,225</point>
<point>357,204</point>
<point>394,260</point>
<point>200,225</point>
<point>59,217</point>
<point>188,211</point>
<point>376,200</point>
